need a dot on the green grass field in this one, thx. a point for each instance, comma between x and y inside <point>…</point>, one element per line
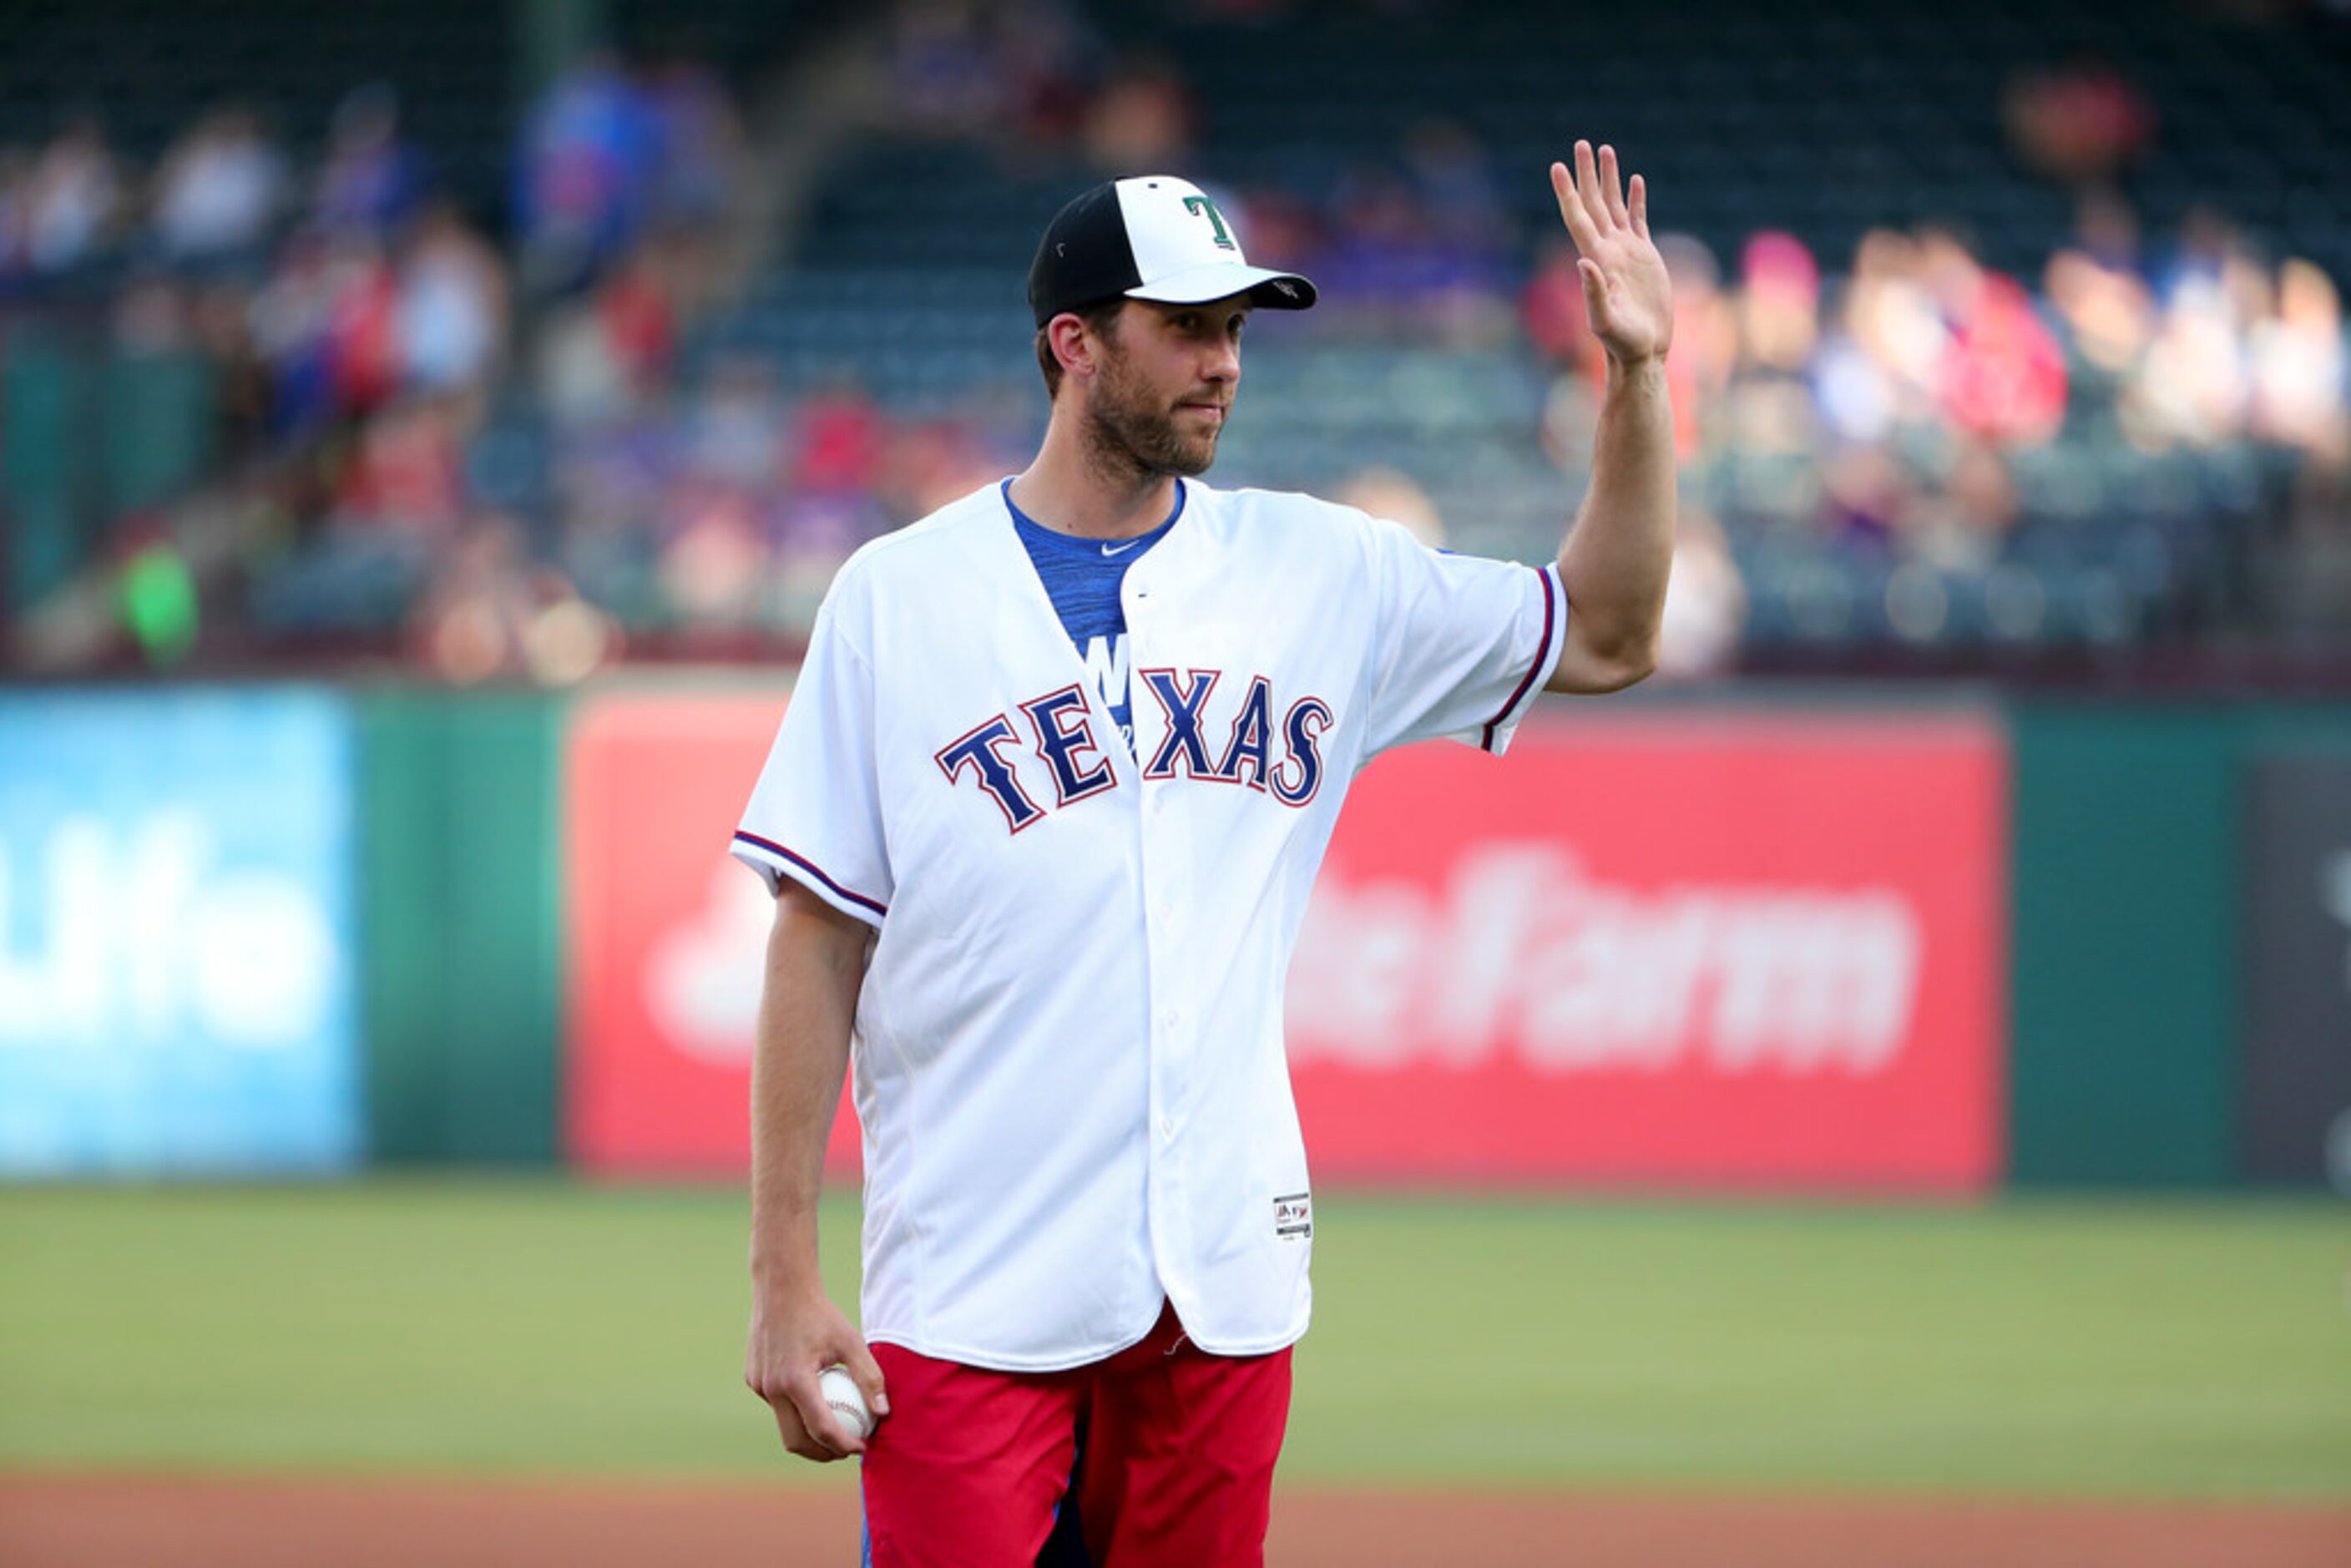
<point>2110,1347</point>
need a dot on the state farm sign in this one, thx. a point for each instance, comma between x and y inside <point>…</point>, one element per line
<point>1521,953</point>
<point>1702,949</point>
<point>1715,950</point>
<point>668,936</point>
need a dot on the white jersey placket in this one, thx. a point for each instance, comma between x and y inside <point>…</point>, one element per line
<point>1162,828</point>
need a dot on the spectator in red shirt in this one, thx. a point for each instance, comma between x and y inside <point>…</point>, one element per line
<point>2003,373</point>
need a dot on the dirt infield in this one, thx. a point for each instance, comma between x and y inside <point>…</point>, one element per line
<point>84,1521</point>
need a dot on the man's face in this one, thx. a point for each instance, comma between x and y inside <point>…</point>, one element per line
<point>1166,384</point>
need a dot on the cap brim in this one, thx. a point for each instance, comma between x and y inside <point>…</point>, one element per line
<point>1267,289</point>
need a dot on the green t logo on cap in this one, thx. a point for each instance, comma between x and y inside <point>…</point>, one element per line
<point>1200,207</point>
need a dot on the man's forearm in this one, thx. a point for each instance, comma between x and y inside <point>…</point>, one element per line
<point>815,963</point>
<point>1620,551</point>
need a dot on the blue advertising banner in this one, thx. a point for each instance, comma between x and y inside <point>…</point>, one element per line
<point>176,968</point>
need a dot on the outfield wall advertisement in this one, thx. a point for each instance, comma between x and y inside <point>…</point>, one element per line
<point>1721,951</point>
<point>667,934</point>
<point>175,950</point>
<point>1716,950</point>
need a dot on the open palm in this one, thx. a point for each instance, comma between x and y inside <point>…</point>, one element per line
<point>1625,290</point>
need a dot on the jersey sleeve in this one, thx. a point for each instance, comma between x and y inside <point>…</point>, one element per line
<point>815,815</point>
<point>1464,645</point>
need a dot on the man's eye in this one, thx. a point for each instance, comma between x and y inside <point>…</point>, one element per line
<point>1186,322</point>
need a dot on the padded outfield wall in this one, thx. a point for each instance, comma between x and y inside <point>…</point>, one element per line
<point>1867,946</point>
<point>460,929</point>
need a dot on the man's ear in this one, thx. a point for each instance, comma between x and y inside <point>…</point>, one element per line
<point>1072,343</point>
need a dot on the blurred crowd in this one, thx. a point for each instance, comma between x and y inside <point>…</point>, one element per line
<point>360,325</point>
<point>721,511</point>
<point>1909,403</point>
<point>517,456</point>
<point>1918,352</point>
<point>1033,77</point>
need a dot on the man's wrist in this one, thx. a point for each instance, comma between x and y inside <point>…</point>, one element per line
<point>785,1263</point>
<point>1622,369</point>
<point>786,1279</point>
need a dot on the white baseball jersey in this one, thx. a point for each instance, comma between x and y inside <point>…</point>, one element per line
<point>1068,1053</point>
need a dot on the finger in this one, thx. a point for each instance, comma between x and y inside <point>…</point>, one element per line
<point>815,1414</point>
<point>1587,185</point>
<point>1611,186</point>
<point>795,1433</point>
<point>1571,209</point>
<point>826,1428</point>
<point>790,1427</point>
<point>867,1373</point>
<point>1596,309</point>
<point>1639,202</point>
<point>1595,288</point>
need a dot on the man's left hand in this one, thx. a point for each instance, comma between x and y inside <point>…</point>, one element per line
<point>1625,290</point>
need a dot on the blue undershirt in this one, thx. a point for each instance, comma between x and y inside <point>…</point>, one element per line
<point>1082,577</point>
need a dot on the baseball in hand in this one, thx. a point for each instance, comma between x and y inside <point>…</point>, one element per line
<point>841,1397</point>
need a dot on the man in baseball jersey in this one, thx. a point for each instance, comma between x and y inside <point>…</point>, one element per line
<point>1041,820</point>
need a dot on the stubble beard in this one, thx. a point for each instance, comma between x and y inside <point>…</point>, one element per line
<point>1129,436</point>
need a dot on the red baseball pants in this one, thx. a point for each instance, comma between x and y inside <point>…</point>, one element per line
<point>970,1467</point>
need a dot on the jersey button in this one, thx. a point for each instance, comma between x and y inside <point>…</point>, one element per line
<point>1166,1126</point>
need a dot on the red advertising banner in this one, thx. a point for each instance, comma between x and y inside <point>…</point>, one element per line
<point>668,936</point>
<point>1727,950</point>
<point>1744,950</point>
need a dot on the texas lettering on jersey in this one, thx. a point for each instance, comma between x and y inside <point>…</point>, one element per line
<point>1234,741</point>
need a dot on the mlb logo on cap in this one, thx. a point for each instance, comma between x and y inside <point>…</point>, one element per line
<point>1151,237</point>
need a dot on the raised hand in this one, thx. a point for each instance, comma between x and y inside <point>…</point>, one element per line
<point>1625,290</point>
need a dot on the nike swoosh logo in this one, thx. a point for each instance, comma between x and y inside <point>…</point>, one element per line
<point>1121,549</point>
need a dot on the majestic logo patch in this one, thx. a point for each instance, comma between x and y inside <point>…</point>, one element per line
<point>1293,1217</point>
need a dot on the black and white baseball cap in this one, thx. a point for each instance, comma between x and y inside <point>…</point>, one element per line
<point>1152,237</point>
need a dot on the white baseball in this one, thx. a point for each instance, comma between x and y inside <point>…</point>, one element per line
<point>843,1399</point>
